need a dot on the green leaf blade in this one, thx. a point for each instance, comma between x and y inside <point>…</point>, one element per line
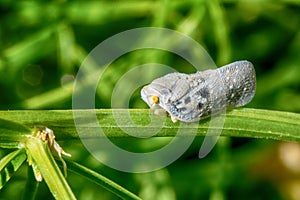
<point>10,164</point>
<point>243,122</point>
<point>44,160</point>
<point>12,132</point>
<point>101,180</point>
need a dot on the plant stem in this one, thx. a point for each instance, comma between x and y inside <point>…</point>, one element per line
<point>244,122</point>
<point>42,157</point>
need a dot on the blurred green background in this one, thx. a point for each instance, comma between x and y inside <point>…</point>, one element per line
<point>43,43</point>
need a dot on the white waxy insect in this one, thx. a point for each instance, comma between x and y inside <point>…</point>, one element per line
<point>192,97</point>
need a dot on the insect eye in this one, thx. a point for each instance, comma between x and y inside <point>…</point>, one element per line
<point>155,99</point>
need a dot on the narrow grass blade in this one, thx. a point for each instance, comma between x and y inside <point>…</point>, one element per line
<point>44,160</point>
<point>244,122</point>
<point>101,180</point>
<point>11,133</point>
<point>10,164</point>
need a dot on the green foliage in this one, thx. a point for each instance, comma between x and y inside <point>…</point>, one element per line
<point>241,122</point>
<point>42,45</point>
